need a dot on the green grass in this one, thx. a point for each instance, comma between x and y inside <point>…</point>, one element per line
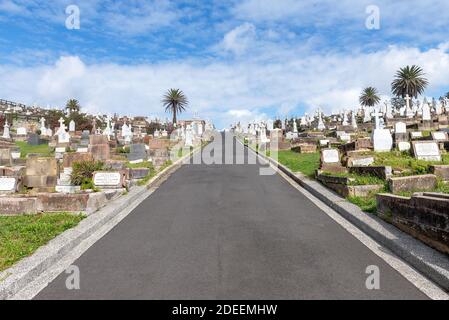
<point>367,204</point>
<point>25,149</point>
<point>144,164</point>
<point>20,236</point>
<point>359,180</point>
<point>306,163</point>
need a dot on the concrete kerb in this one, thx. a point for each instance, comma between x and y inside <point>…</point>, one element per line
<point>14,279</point>
<point>431,263</point>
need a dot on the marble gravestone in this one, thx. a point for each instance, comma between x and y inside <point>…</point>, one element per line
<point>439,136</point>
<point>330,161</point>
<point>426,150</point>
<point>404,146</point>
<point>330,156</point>
<point>400,127</point>
<point>8,184</point>
<point>21,131</point>
<point>108,180</point>
<point>416,135</point>
<point>382,140</point>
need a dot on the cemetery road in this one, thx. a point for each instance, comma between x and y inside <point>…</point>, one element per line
<point>226,232</point>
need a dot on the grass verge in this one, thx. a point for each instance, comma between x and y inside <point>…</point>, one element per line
<point>26,148</point>
<point>20,236</point>
<point>306,163</point>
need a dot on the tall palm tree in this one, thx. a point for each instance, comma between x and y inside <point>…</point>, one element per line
<point>73,105</point>
<point>175,102</point>
<point>409,81</point>
<point>369,97</point>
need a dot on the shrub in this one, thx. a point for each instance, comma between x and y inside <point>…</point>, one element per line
<point>83,170</point>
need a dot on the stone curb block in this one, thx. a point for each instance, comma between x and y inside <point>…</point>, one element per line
<point>426,260</point>
<point>14,279</point>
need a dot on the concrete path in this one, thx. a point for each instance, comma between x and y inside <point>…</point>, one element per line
<point>226,232</point>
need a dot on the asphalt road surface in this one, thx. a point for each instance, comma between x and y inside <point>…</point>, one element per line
<point>226,232</point>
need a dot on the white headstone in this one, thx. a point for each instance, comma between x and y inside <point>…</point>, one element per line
<point>416,134</point>
<point>404,146</point>
<point>363,162</point>
<point>6,134</point>
<point>330,156</point>
<point>21,131</point>
<point>8,184</point>
<point>400,127</point>
<point>426,112</point>
<point>107,179</point>
<point>72,126</point>
<point>382,140</point>
<point>439,136</point>
<point>427,151</point>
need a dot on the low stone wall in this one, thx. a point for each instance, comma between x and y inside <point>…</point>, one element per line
<point>381,172</point>
<point>340,186</point>
<point>412,183</point>
<point>441,171</point>
<point>56,202</point>
<point>425,216</point>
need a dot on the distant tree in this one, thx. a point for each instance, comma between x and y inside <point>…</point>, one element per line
<point>53,117</point>
<point>397,102</point>
<point>409,81</point>
<point>73,105</point>
<point>369,97</point>
<point>153,126</point>
<point>277,124</point>
<point>175,102</point>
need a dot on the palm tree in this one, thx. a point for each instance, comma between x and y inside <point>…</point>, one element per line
<point>175,102</point>
<point>369,97</point>
<point>73,105</point>
<point>409,81</point>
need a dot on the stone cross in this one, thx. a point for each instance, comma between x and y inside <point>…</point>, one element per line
<point>407,100</point>
<point>376,116</point>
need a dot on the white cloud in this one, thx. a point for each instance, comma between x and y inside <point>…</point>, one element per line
<point>224,91</point>
<point>239,39</point>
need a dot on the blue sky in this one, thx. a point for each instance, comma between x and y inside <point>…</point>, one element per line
<point>234,59</point>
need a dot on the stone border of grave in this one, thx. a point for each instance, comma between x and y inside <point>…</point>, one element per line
<point>431,263</point>
<point>16,278</point>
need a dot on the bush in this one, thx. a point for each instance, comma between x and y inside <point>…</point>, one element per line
<point>83,170</point>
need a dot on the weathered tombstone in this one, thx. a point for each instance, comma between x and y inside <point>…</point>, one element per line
<point>361,162</point>
<point>33,139</point>
<point>71,157</point>
<point>99,147</point>
<point>41,173</point>
<point>105,180</point>
<point>8,185</point>
<point>137,152</point>
<point>426,150</point>
<point>5,157</point>
<point>330,161</point>
<point>85,138</point>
